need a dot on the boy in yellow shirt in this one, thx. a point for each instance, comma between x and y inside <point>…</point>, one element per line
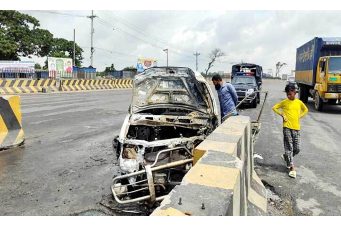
<point>291,110</point>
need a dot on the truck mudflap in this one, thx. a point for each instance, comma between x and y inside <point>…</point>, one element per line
<point>142,184</point>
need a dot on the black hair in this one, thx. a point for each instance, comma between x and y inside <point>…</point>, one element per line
<point>290,87</point>
<point>216,78</point>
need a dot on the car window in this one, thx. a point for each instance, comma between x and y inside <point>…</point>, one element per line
<point>244,80</point>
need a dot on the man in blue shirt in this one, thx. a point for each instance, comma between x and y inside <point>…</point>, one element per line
<point>228,98</point>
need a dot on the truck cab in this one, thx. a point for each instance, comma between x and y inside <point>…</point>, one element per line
<point>328,80</point>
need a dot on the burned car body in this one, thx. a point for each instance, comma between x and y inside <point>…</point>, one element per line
<point>172,111</point>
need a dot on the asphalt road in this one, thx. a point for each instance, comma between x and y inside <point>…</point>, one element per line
<point>67,162</point>
<point>317,188</point>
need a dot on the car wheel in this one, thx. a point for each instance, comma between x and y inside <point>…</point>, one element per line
<point>254,103</point>
<point>116,146</point>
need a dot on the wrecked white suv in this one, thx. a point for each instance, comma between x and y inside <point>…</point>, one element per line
<point>173,109</point>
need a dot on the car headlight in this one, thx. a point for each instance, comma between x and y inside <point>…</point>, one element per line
<point>129,152</point>
<point>249,91</point>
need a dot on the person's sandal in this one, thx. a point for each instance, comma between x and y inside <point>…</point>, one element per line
<point>292,174</point>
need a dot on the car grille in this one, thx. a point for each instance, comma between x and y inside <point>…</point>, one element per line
<point>335,88</point>
<point>240,93</point>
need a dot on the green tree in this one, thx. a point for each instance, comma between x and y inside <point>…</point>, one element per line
<point>37,66</point>
<point>110,68</point>
<point>63,48</point>
<point>20,35</point>
<point>130,68</point>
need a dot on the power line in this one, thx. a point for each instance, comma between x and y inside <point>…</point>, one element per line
<point>58,13</point>
<point>136,29</point>
<point>127,33</point>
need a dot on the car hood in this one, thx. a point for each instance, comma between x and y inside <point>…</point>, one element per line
<point>168,87</point>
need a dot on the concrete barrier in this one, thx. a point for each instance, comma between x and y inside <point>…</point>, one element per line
<point>222,180</point>
<point>124,83</point>
<point>19,86</point>
<point>83,85</point>
<point>11,132</point>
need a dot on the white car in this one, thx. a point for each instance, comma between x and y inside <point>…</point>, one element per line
<point>173,109</point>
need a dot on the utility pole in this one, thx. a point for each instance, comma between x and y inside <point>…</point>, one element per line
<point>166,50</point>
<point>74,47</point>
<point>196,60</point>
<point>92,37</point>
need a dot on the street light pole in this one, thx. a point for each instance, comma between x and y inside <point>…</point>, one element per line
<point>166,50</point>
<point>196,60</point>
<point>74,47</point>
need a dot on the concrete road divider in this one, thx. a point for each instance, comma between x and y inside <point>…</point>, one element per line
<point>222,180</point>
<point>124,83</point>
<point>83,85</point>
<point>19,86</point>
<point>11,132</point>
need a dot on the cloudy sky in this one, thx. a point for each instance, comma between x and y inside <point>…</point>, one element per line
<point>261,37</point>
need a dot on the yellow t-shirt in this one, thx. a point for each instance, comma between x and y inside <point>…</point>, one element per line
<point>293,110</point>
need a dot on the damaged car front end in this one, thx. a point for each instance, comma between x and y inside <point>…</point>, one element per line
<point>172,111</point>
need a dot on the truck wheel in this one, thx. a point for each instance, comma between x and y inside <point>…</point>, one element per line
<point>332,101</point>
<point>318,102</point>
<point>303,94</point>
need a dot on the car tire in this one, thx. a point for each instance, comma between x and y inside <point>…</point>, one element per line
<point>254,103</point>
<point>116,146</point>
<point>318,102</point>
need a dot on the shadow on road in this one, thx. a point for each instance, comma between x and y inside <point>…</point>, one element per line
<point>274,167</point>
<point>327,109</point>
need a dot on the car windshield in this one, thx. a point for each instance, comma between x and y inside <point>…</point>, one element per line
<point>244,80</point>
<point>335,65</point>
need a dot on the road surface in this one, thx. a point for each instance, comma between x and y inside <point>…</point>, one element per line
<point>317,188</point>
<point>67,162</point>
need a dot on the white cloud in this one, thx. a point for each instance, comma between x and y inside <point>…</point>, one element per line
<point>263,37</point>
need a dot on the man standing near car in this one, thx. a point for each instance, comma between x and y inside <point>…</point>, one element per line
<point>228,98</point>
